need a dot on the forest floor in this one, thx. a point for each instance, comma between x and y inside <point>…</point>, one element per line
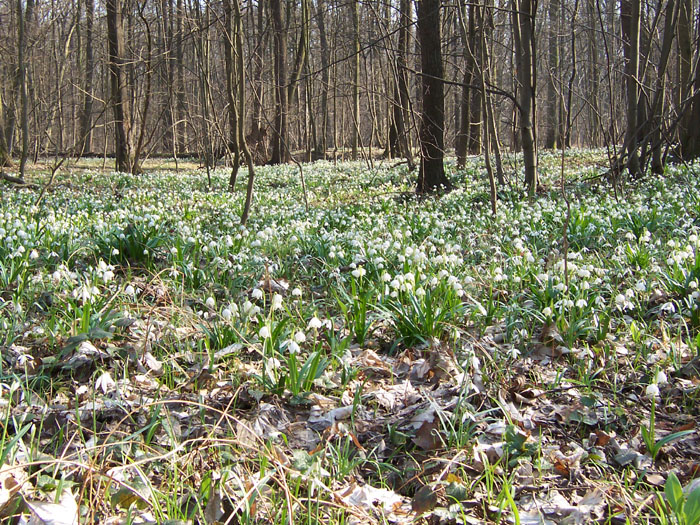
<point>352,355</point>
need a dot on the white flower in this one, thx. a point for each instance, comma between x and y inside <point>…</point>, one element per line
<point>257,293</point>
<point>264,332</point>
<point>105,383</point>
<point>34,254</point>
<point>547,311</point>
<point>293,347</point>
<point>226,314</point>
<point>661,378</point>
<point>115,251</point>
<point>276,302</point>
<point>210,302</point>
<point>296,292</point>
<point>130,290</point>
<point>299,336</point>
<point>359,272</point>
<point>315,323</point>
<point>581,303</point>
<point>653,390</point>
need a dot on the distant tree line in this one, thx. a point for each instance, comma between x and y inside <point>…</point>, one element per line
<point>271,81</point>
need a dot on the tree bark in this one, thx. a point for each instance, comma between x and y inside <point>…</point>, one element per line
<point>5,157</point>
<point>554,124</point>
<point>630,15</point>
<point>322,136</point>
<point>431,176</point>
<point>85,136</point>
<point>523,13</point>
<point>279,138</point>
<point>120,96</point>
<point>356,78</point>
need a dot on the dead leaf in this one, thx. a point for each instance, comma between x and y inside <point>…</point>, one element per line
<point>428,436</point>
<point>63,513</point>
<point>424,500</point>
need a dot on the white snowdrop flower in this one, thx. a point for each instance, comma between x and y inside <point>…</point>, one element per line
<point>296,292</point>
<point>693,284</point>
<point>210,302</point>
<point>226,314</point>
<point>293,347</point>
<point>173,250</point>
<point>668,308</point>
<point>315,323</point>
<point>264,332</point>
<point>34,254</point>
<point>56,276</point>
<point>108,276</point>
<point>652,391</point>
<point>395,284</point>
<point>146,253</point>
<point>130,290</point>
<point>257,293</point>
<point>620,299</point>
<point>560,287</point>
<point>514,353</point>
<point>359,272</point>
<point>386,277</point>
<point>276,302</point>
<point>547,311</point>
<point>641,285</point>
<point>299,336</point>
<point>661,378</point>
<point>105,383</point>
<point>581,303</point>
<point>420,292</point>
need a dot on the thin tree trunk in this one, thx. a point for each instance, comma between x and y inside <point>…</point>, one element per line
<point>630,19</point>
<point>523,12</point>
<point>322,136</point>
<point>86,112</point>
<point>431,176</point>
<point>554,124</point>
<point>279,139</point>
<point>356,78</point>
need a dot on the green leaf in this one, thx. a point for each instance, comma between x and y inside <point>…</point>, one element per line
<point>672,437</point>
<point>692,508</point>
<point>674,493</point>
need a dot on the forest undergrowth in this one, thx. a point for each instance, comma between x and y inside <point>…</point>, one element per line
<point>373,358</point>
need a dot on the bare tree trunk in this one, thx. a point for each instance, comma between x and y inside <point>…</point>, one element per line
<point>5,157</point>
<point>279,138</point>
<point>322,136</point>
<point>232,89</point>
<point>85,136</point>
<point>630,18</point>
<point>554,124</point>
<point>523,13</point>
<point>120,96</point>
<point>258,132</point>
<point>23,17</point>
<point>431,176</point>
<point>179,127</point>
<point>356,78</point>
<point>399,135</point>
